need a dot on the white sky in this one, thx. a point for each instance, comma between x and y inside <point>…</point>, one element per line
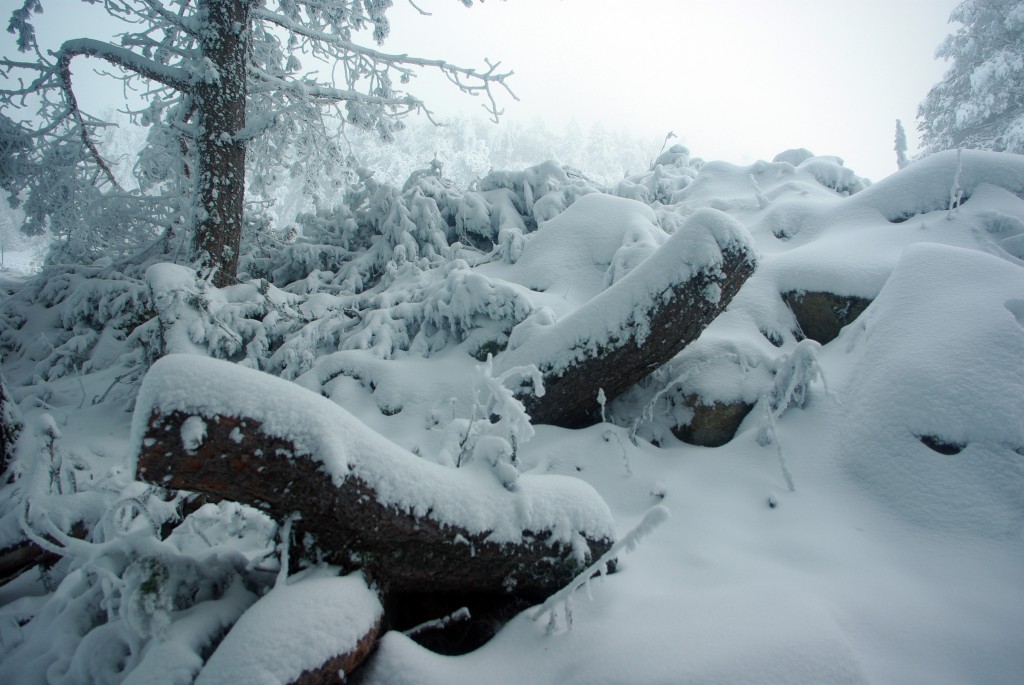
<point>737,80</point>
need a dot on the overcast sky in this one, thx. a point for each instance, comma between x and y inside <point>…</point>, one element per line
<point>737,80</point>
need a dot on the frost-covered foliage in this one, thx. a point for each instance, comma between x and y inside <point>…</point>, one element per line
<point>379,231</point>
<point>398,302</point>
<point>214,77</point>
<point>498,427</point>
<point>978,103</point>
<point>900,146</point>
<point>136,590</point>
<point>469,148</point>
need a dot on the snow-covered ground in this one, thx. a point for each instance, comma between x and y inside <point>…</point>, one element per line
<point>835,539</point>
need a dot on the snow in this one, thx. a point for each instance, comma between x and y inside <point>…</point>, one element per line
<point>589,246</point>
<point>826,543</point>
<point>928,185</point>
<point>935,384</point>
<point>295,627</point>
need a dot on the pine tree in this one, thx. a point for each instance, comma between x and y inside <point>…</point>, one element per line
<point>901,146</point>
<point>218,74</point>
<point>980,101</point>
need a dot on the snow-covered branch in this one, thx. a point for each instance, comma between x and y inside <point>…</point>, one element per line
<point>174,77</point>
<point>377,64</point>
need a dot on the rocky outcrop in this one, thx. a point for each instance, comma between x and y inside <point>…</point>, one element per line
<point>821,315</point>
<point>636,325</point>
<point>712,425</point>
<point>401,550</point>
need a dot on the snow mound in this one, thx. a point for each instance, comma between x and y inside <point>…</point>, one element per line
<point>294,628</point>
<point>943,180</point>
<point>919,378</point>
<point>590,245</point>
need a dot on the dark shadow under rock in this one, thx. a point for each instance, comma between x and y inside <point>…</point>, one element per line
<point>941,446</point>
<point>453,623</point>
<point>822,315</point>
<point>712,425</point>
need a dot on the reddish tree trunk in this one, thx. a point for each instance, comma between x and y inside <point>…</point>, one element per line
<point>220,104</point>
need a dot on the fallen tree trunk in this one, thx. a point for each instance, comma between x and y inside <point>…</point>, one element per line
<point>636,325</point>
<point>22,556</point>
<point>411,525</point>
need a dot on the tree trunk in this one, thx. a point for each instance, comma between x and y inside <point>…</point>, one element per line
<point>220,104</point>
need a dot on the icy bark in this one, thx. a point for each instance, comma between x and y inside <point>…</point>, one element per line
<point>401,550</point>
<point>220,102</point>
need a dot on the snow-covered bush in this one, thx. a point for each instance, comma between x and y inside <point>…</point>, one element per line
<point>498,427</point>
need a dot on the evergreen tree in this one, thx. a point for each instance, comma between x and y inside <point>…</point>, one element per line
<point>901,146</point>
<point>218,75</point>
<point>980,101</point>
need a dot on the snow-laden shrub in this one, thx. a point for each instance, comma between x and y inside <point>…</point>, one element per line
<point>498,426</point>
<point>378,228</point>
<point>137,583</point>
<point>830,172</point>
<point>92,311</point>
<point>671,172</point>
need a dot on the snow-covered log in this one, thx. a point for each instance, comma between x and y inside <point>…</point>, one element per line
<point>638,324</point>
<point>413,526</point>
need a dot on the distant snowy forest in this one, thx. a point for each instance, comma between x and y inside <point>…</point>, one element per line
<point>281,402</point>
<point>467,149</point>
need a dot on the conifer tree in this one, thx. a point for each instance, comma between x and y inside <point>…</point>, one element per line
<point>217,74</point>
<point>900,146</point>
<point>980,101</point>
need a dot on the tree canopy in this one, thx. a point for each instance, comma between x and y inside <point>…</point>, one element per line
<point>980,101</point>
<point>219,78</point>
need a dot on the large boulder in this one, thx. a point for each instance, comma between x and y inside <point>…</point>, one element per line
<point>636,325</point>
<point>822,315</point>
<point>411,525</point>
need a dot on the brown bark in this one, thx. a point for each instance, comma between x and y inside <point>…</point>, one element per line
<point>401,552</point>
<point>220,104</point>
<point>24,555</point>
<point>676,318</point>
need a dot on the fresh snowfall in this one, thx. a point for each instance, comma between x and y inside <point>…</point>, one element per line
<point>825,487</point>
